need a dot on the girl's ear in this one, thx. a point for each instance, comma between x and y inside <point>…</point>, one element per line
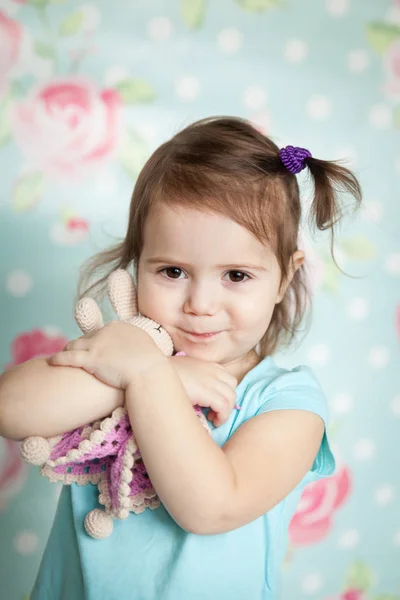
<point>296,261</point>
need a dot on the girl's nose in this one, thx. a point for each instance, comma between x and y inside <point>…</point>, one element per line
<point>201,299</point>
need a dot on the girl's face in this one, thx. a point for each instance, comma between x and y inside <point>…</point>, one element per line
<point>202,273</point>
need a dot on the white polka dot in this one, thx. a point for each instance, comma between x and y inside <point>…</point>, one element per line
<point>19,283</point>
<point>296,51</point>
<point>395,406</point>
<point>392,263</point>
<point>342,403</point>
<point>10,7</point>
<point>379,357</point>
<point>337,8</point>
<point>385,494</point>
<point>187,88</point>
<point>364,449</point>
<point>380,116</point>
<point>393,14</point>
<point>349,539</point>
<point>159,29</point>
<point>91,17</point>
<point>230,40</point>
<point>396,539</point>
<point>358,308</point>
<point>319,354</point>
<point>319,107</point>
<point>254,97</point>
<point>26,542</point>
<point>115,74</point>
<point>371,212</point>
<point>357,61</point>
<point>312,583</point>
<point>262,121</point>
<point>52,331</point>
<point>146,130</point>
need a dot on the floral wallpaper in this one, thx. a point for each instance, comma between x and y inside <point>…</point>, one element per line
<point>87,92</point>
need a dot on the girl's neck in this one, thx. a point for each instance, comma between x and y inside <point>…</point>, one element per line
<point>241,367</point>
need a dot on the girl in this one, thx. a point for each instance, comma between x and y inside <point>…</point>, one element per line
<point>212,238</point>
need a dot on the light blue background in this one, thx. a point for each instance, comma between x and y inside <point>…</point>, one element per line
<point>359,124</point>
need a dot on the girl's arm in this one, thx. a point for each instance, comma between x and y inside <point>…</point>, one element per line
<point>39,399</point>
<point>205,488</point>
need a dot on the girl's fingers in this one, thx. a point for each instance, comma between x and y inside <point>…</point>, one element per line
<point>69,358</point>
<point>81,343</point>
<point>227,377</point>
<point>228,393</point>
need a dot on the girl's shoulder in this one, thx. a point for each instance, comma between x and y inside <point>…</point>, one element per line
<point>271,387</point>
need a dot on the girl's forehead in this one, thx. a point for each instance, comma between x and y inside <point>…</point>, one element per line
<point>188,231</point>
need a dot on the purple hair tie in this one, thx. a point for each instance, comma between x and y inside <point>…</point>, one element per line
<point>294,158</point>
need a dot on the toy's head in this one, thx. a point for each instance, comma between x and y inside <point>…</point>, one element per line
<point>123,298</point>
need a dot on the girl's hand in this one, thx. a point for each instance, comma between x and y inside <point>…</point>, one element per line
<point>114,354</point>
<point>207,384</point>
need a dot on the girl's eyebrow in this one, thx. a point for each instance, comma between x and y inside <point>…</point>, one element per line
<point>159,259</point>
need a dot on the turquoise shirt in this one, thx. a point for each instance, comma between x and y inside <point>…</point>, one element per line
<point>149,557</point>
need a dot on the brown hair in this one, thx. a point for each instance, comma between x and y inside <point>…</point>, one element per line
<point>224,165</point>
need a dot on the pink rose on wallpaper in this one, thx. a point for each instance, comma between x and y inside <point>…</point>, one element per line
<point>314,516</point>
<point>392,63</point>
<point>10,41</point>
<point>12,471</point>
<point>70,231</point>
<point>68,127</point>
<point>351,594</point>
<point>35,344</point>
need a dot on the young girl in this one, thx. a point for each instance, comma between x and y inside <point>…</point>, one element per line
<point>212,239</point>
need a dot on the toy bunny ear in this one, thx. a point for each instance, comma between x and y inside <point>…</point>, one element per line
<point>88,315</point>
<point>122,294</point>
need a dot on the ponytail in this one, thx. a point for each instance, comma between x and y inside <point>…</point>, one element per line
<point>331,180</point>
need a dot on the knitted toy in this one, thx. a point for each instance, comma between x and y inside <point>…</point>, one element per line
<point>104,453</point>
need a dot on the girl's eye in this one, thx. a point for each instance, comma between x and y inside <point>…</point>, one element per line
<point>172,272</point>
<point>238,276</point>
<point>175,272</point>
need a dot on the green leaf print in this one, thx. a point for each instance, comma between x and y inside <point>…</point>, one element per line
<point>43,49</point>
<point>133,91</point>
<point>357,248</point>
<point>38,3</point>
<point>133,153</point>
<point>381,35</point>
<point>260,5</point>
<point>386,597</point>
<point>360,577</point>
<point>5,130</point>
<point>193,12</point>
<point>396,116</point>
<point>331,277</point>
<point>27,191</point>
<point>71,24</point>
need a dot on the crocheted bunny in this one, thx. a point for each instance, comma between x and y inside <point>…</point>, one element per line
<point>105,453</point>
